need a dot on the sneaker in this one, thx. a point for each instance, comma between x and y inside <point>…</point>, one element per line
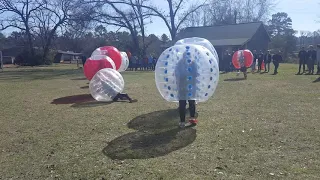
<point>182,124</point>
<point>193,121</point>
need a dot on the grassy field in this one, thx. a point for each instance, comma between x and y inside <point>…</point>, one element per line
<point>266,127</point>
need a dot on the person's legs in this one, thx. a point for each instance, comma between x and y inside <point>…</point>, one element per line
<point>276,66</point>
<point>124,96</point>
<point>116,97</point>
<point>318,67</point>
<point>300,64</point>
<point>304,66</point>
<point>265,67</point>
<point>253,67</point>
<point>268,66</point>
<point>192,108</point>
<point>259,66</point>
<point>182,111</point>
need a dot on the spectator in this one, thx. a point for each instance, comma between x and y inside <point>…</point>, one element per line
<point>154,63</point>
<point>255,57</point>
<point>83,59</point>
<point>318,59</point>
<point>145,63</point>
<point>260,60</point>
<point>277,58</point>
<point>150,60</point>
<point>227,59</point>
<point>135,63</point>
<point>302,60</point>
<point>140,63</point>
<point>312,56</point>
<point>267,61</point>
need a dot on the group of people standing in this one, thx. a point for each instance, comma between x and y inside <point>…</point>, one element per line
<point>147,63</point>
<point>266,58</point>
<point>309,58</point>
<point>258,59</point>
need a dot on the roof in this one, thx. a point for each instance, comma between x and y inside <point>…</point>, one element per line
<point>235,34</point>
<point>69,53</point>
<point>12,51</point>
<point>229,42</point>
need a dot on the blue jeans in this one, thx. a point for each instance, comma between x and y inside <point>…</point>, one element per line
<point>253,67</point>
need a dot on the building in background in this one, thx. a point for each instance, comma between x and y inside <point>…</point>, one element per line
<point>252,36</point>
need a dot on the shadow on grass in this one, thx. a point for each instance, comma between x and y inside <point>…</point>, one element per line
<point>82,101</point>
<point>90,104</point>
<point>317,80</point>
<point>157,135</point>
<point>84,87</point>
<point>235,79</point>
<point>82,98</point>
<point>158,120</point>
<point>37,74</point>
<point>95,104</point>
<point>78,79</point>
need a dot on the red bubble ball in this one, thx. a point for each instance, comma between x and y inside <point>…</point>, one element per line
<point>95,64</point>
<point>242,58</point>
<point>112,52</point>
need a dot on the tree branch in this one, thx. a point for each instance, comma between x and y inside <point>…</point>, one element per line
<point>187,14</point>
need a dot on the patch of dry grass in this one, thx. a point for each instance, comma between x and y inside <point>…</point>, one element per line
<point>266,127</point>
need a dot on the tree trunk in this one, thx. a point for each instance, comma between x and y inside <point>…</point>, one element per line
<point>173,30</point>
<point>48,43</point>
<point>135,40</point>
<point>30,42</point>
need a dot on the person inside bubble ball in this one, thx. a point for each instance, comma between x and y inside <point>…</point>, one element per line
<point>243,67</point>
<point>186,73</point>
<point>123,96</point>
<point>117,96</point>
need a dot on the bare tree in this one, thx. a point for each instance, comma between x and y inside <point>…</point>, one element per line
<point>17,14</point>
<point>223,12</point>
<point>128,14</point>
<point>174,16</point>
<point>54,14</point>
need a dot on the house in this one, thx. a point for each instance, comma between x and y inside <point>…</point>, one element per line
<point>9,54</point>
<point>252,36</point>
<point>67,56</point>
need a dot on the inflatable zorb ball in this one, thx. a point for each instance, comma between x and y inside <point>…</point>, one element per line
<point>110,51</point>
<point>96,63</point>
<point>125,62</point>
<point>199,41</point>
<point>186,72</point>
<point>106,84</point>
<point>242,58</point>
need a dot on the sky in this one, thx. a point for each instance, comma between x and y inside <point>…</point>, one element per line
<point>303,13</point>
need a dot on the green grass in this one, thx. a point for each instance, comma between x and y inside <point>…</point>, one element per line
<point>266,127</point>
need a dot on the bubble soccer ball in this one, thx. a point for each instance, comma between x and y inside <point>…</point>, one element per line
<point>110,51</point>
<point>96,63</point>
<point>125,62</point>
<point>242,58</point>
<point>187,72</point>
<point>199,41</point>
<point>106,84</point>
